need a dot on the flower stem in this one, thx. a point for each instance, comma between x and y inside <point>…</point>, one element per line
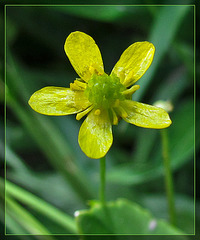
<point>102,180</point>
<point>168,177</point>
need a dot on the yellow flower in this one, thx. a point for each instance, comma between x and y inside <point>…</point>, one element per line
<point>105,98</point>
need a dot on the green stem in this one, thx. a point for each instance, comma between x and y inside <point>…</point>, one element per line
<point>102,180</point>
<point>168,176</point>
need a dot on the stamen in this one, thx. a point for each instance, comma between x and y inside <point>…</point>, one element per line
<point>131,90</point>
<point>91,70</point>
<point>82,85</point>
<point>129,79</point>
<point>116,104</point>
<point>97,112</point>
<point>121,112</point>
<point>73,86</point>
<point>115,118</point>
<point>83,113</point>
<point>78,85</point>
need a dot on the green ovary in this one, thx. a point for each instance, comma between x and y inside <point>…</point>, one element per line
<point>104,90</point>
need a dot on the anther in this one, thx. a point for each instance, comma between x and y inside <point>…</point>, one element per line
<point>116,104</point>
<point>73,86</point>
<point>131,90</point>
<point>114,117</point>
<point>82,85</point>
<point>78,85</point>
<point>97,112</point>
<point>91,70</point>
<point>122,112</point>
<point>129,79</point>
<point>83,113</point>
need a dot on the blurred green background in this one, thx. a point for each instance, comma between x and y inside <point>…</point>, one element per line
<point>48,176</point>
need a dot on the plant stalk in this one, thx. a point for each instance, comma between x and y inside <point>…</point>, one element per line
<point>168,176</point>
<point>102,180</point>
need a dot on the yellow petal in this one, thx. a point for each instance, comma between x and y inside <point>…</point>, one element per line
<point>144,115</point>
<point>58,101</point>
<point>134,62</point>
<point>95,135</point>
<point>84,55</point>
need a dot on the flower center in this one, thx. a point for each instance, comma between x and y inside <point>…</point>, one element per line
<point>103,90</point>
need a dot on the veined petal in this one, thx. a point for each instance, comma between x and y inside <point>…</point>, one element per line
<point>134,62</point>
<point>57,101</point>
<point>144,115</point>
<point>95,135</point>
<point>84,55</point>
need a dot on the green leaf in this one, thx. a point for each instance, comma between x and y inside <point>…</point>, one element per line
<point>184,207</point>
<point>105,13</point>
<point>41,206</point>
<point>13,226</point>
<point>181,135</point>
<point>25,219</point>
<point>185,53</point>
<point>121,217</point>
<point>162,34</point>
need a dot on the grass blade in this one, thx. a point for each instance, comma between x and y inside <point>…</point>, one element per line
<point>163,32</point>
<point>25,219</point>
<point>41,206</point>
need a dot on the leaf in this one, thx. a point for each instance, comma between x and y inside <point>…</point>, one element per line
<point>105,13</point>
<point>13,226</point>
<point>162,34</point>
<point>41,206</point>
<point>25,219</point>
<point>121,217</point>
<point>185,53</point>
<point>184,207</point>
